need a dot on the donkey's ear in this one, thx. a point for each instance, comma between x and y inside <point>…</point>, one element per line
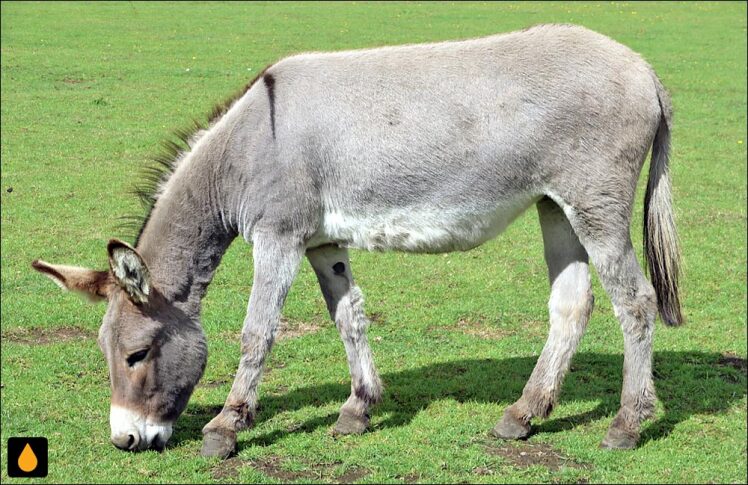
<point>129,270</point>
<point>94,285</point>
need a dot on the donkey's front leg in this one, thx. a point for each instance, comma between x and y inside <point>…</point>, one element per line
<point>276,262</point>
<point>346,305</point>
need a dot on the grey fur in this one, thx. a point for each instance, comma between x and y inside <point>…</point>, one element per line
<point>569,307</point>
<point>423,148</point>
<point>346,306</point>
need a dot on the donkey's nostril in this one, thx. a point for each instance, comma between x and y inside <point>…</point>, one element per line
<point>125,441</point>
<point>121,441</point>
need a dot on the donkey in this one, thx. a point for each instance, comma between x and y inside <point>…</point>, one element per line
<point>422,148</point>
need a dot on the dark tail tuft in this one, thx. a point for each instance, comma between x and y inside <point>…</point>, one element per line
<point>660,235</point>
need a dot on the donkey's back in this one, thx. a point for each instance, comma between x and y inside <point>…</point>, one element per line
<point>438,147</point>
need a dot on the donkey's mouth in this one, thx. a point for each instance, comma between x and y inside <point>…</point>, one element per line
<point>153,437</point>
<point>133,432</point>
<point>133,442</point>
<point>158,444</point>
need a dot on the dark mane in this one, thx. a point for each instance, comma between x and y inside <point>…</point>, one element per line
<point>162,166</point>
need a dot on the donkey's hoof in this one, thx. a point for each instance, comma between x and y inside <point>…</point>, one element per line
<point>510,428</point>
<point>618,439</point>
<point>220,443</point>
<point>349,423</point>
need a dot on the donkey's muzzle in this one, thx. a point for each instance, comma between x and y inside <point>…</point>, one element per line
<point>133,432</point>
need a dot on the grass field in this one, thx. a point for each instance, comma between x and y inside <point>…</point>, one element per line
<point>88,92</point>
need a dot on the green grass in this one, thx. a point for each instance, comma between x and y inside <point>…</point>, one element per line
<point>88,91</point>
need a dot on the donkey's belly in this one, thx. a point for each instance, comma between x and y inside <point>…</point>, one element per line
<point>417,229</point>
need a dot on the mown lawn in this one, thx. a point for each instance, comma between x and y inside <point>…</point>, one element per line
<point>89,90</point>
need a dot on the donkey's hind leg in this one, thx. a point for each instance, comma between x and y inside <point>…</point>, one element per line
<point>569,306</point>
<point>604,232</point>
<point>346,305</point>
<point>276,262</point>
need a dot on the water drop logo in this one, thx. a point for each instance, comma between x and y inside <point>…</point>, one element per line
<point>27,457</point>
<point>27,462</point>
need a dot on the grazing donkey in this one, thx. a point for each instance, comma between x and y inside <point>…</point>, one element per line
<point>422,148</point>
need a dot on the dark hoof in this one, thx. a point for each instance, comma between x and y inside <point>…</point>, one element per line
<point>510,428</point>
<point>617,439</point>
<point>349,423</point>
<point>220,443</point>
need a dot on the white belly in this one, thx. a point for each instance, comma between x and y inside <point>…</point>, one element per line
<point>416,229</point>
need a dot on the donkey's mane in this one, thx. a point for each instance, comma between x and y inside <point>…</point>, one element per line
<point>174,149</point>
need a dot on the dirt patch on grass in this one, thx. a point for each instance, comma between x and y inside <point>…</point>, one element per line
<point>273,467</point>
<point>732,360</point>
<point>352,474</point>
<point>376,318</point>
<point>478,327</point>
<point>525,454</point>
<point>293,329</point>
<point>288,329</point>
<point>227,469</point>
<point>482,470</point>
<point>45,336</point>
<point>412,478</point>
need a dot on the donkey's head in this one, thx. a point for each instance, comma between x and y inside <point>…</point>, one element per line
<point>156,353</point>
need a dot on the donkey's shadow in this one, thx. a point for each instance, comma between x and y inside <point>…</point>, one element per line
<point>687,383</point>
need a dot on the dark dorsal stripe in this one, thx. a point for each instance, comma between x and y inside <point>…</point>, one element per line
<point>270,85</point>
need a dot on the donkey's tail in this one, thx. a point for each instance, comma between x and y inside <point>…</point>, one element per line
<point>660,235</point>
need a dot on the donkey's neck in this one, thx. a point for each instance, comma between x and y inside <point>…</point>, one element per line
<point>203,205</point>
<point>185,236</point>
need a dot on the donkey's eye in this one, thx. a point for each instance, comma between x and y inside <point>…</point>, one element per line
<point>136,357</point>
